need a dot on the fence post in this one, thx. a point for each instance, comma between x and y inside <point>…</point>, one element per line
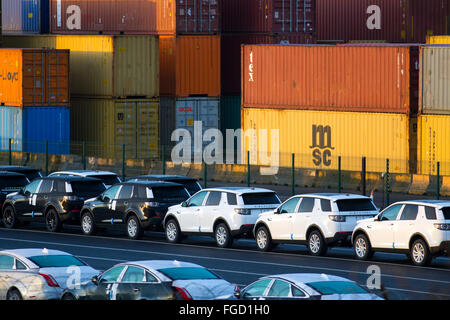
<point>46,157</point>
<point>84,155</point>
<point>123,162</point>
<point>387,187</point>
<point>248,168</point>
<point>438,191</point>
<point>163,159</point>
<point>293,175</point>
<point>10,151</point>
<point>363,175</point>
<point>339,175</point>
<point>205,177</point>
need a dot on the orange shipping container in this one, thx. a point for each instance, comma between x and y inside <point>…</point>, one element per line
<point>362,78</point>
<point>34,77</point>
<point>190,66</point>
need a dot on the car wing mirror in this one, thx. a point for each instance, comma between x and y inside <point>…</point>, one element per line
<point>184,204</point>
<point>237,292</point>
<point>277,211</point>
<point>95,280</point>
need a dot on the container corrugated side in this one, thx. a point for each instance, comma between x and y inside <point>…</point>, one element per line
<point>25,16</point>
<point>10,128</point>
<point>438,39</point>
<point>364,78</point>
<point>318,138</point>
<point>433,133</point>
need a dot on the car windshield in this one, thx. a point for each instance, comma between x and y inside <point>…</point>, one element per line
<point>446,212</point>
<point>108,179</point>
<point>191,185</point>
<point>346,205</point>
<point>336,287</point>
<point>87,188</point>
<point>56,261</point>
<point>260,198</point>
<point>12,182</point>
<point>30,174</point>
<point>170,194</point>
<point>191,273</point>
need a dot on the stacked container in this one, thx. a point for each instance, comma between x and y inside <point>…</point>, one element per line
<point>34,98</point>
<point>329,101</point>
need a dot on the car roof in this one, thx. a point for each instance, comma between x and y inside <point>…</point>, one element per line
<point>304,278</point>
<point>70,178</point>
<point>431,203</point>
<point>84,173</point>
<point>164,177</point>
<point>11,174</point>
<point>151,184</point>
<point>163,264</point>
<point>26,253</point>
<point>333,196</point>
<point>14,168</point>
<point>239,190</point>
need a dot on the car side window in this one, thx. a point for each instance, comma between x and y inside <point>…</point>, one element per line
<point>198,199</point>
<point>289,206</point>
<point>46,186</point>
<point>112,274</point>
<point>111,192</point>
<point>391,213</point>
<point>134,275</point>
<point>149,277</point>
<point>6,262</point>
<point>20,265</point>
<point>409,212</point>
<point>231,199</point>
<point>279,289</point>
<point>59,186</point>
<point>307,205</point>
<point>430,213</point>
<point>257,289</point>
<point>140,192</point>
<point>32,187</point>
<point>325,205</point>
<point>214,198</point>
<point>126,192</point>
<point>297,292</point>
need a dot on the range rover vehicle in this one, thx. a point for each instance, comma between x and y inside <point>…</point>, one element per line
<point>10,182</point>
<point>53,200</point>
<point>30,173</point>
<point>191,184</point>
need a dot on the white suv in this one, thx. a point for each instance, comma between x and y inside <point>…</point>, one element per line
<point>315,220</point>
<point>224,213</point>
<point>421,229</point>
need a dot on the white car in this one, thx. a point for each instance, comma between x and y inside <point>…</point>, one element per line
<point>224,213</point>
<point>40,274</point>
<point>420,229</point>
<point>304,286</point>
<point>316,220</point>
<point>108,178</point>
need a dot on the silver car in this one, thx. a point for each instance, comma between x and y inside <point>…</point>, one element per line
<point>40,274</point>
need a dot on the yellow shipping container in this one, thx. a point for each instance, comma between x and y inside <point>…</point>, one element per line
<point>318,138</point>
<point>106,124</point>
<point>433,133</point>
<point>104,66</point>
<point>438,39</point>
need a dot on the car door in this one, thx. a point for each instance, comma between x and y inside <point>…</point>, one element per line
<point>103,211</point>
<point>138,283</point>
<point>405,226</point>
<point>381,231</point>
<point>25,205</point>
<point>108,284</point>
<point>280,224</point>
<point>42,198</point>
<point>123,201</point>
<point>210,211</point>
<point>7,278</point>
<point>302,218</point>
<point>189,218</point>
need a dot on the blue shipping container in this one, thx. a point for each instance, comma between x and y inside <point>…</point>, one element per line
<point>31,127</point>
<point>25,16</point>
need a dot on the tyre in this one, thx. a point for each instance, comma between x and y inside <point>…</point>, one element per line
<point>316,244</point>
<point>9,218</point>
<point>68,296</point>
<point>172,230</point>
<point>263,239</point>
<point>13,294</point>
<point>87,223</point>
<point>52,221</point>
<point>420,254</point>
<point>134,228</point>
<point>223,236</point>
<point>362,247</point>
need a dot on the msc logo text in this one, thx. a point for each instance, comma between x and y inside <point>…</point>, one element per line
<point>321,145</point>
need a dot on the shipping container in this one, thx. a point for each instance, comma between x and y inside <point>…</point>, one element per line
<point>230,118</point>
<point>361,78</point>
<point>231,54</point>
<point>434,80</point>
<point>167,117</point>
<point>438,39</point>
<point>25,16</point>
<point>388,20</point>
<point>190,66</point>
<point>135,17</point>
<point>31,128</point>
<point>110,124</point>
<point>34,77</point>
<point>268,16</point>
<point>433,144</point>
<point>318,138</point>
<point>105,66</point>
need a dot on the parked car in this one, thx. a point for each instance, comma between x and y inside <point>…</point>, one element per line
<point>225,213</point>
<point>30,173</point>
<point>39,274</point>
<point>420,229</point>
<point>53,200</point>
<point>10,182</point>
<point>316,220</point>
<point>132,206</point>
<point>191,184</point>
<point>108,178</point>
<point>153,280</point>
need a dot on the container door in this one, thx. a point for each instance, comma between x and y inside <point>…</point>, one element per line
<point>57,78</point>
<point>34,65</point>
<point>209,16</point>
<point>147,129</point>
<point>11,128</point>
<point>30,16</point>
<point>125,129</point>
<point>185,115</point>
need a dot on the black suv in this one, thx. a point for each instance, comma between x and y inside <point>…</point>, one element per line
<point>53,200</point>
<point>30,173</point>
<point>191,184</point>
<point>10,182</point>
<point>133,206</point>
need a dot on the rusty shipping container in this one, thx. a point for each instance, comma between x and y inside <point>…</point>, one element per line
<point>34,77</point>
<point>134,17</point>
<point>105,66</point>
<point>190,66</point>
<point>385,20</point>
<point>318,138</point>
<point>362,78</point>
<point>268,16</point>
<point>231,54</point>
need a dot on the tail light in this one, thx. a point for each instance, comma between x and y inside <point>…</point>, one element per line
<point>50,280</point>
<point>245,212</point>
<point>183,293</point>
<point>337,218</point>
<point>71,198</point>
<point>151,204</point>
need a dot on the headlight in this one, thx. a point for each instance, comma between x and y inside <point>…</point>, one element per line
<point>337,218</point>
<point>442,226</point>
